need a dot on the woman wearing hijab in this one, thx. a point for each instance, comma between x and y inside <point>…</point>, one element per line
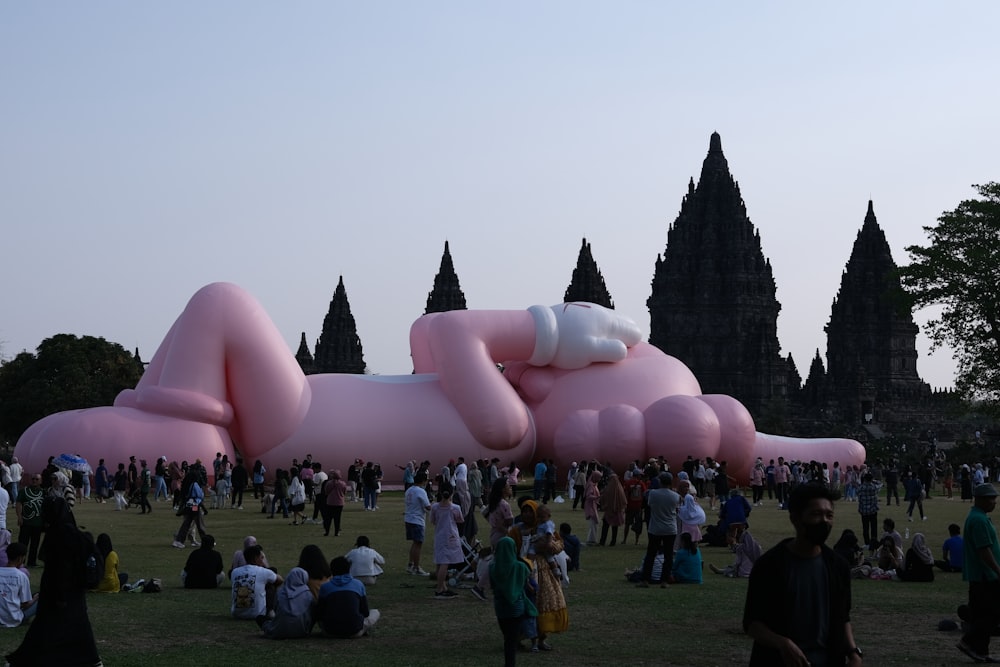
<point>690,513</point>
<point>293,611</point>
<point>919,564</point>
<point>591,501</point>
<point>553,616</point>
<point>613,503</point>
<point>509,577</point>
<point>60,634</point>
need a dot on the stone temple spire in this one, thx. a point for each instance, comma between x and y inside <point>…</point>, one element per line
<point>304,356</point>
<point>587,283</point>
<point>713,303</point>
<point>338,349</point>
<point>447,293</point>
<point>871,335</point>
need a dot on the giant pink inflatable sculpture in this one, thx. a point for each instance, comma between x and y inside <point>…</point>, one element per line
<point>577,384</point>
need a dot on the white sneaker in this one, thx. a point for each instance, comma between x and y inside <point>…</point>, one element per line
<point>409,568</point>
<point>178,545</point>
<point>195,543</point>
<point>418,571</point>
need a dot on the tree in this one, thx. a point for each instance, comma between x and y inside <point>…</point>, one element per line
<point>66,373</point>
<point>960,271</point>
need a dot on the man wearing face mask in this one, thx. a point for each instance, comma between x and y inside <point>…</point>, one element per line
<point>799,596</point>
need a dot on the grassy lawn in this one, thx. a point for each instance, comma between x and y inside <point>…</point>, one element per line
<point>610,620</point>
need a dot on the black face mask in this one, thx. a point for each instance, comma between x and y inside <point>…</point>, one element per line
<point>817,533</point>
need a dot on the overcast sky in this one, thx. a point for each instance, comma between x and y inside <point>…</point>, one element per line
<point>151,148</point>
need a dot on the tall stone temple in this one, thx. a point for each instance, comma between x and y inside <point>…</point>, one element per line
<point>871,349</point>
<point>587,283</point>
<point>713,303</point>
<point>338,349</point>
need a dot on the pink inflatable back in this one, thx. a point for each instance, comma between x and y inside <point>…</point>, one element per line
<point>577,384</point>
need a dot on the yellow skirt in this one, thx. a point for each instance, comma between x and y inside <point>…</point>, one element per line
<point>553,616</point>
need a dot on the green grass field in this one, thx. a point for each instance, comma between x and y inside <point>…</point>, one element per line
<point>610,620</point>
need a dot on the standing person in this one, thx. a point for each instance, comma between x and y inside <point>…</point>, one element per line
<point>498,511</point>
<point>868,509</point>
<point>591,506</point>
<point>354,480</point>
<point>224,473</point>
<point>16,473</point>
<point>239,479</point>
<point>579,483</point>
<point>133,477</point>
<point>782,474</point>
<point>416,504</point>
<point>102,483</point>
<point>297,497</point>
<point>369,484</point>
<point>509,577</point>
<point>662,530</point>
<point>635,493</point>
<point>551,472</point>
<point>539,481</point>
<point>145,484</point>
<point>4,504</point>
<point>120,487</point>
<point>60,634</point>
<point>798,600</point>
<point>251,584</point>
<point>613,504</point>
<point>280,493</point>
<point>915,495</point>
<point>757,482</point>
<point>982,571</point>
<point>258,479</point>
<point>160,479</point>
<point>333,503</point>
<point>29,517</point>
<point>191,507</point>
<point>447,520</point>
<point>319,490</point>
<point>891,477</point>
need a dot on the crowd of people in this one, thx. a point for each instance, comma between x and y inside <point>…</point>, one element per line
<point>527,561</point>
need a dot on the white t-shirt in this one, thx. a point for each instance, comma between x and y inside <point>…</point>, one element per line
<point>461,472</point>
<point>15,588</point>
<point>4,504</point>
<point>365,562</point>
<point>416,505</point>
<point>249,591</point>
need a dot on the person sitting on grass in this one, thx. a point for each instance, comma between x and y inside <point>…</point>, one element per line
<point>919,562</point>
<point>254,586</point>
<point>343,604</point>
<point>18,604</point>
<point>112,581</point>
<point>953,550</point>
<point>293,608</point>
<point>203,568</point>
<point>365,562</point>
<point>747,550</point>
<point>687,562</point>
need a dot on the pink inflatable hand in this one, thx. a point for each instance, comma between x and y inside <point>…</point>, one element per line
<point>586,333</point>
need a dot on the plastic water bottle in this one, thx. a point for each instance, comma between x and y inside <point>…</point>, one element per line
<point>907,533</point>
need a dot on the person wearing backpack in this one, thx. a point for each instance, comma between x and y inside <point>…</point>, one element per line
<point>191,509</point>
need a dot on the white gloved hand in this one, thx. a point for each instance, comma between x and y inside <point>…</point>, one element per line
<point>575,335</point>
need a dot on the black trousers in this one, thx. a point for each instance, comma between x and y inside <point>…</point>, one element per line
<point>656,544</point>
<point>984,612</point>
<point>509,627</point>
